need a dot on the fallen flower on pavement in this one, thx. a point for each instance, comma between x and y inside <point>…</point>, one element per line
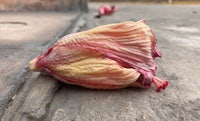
<point>106,57</point>
<point>105,10</point>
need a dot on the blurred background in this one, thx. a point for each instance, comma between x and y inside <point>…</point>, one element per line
<point>58,5</point>
<point>35,5</point>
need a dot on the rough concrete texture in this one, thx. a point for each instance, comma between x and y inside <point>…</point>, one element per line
<point>22,37</point>
<point>177,30</point>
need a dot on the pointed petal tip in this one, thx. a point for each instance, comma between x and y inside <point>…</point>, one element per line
<point>32,65</point>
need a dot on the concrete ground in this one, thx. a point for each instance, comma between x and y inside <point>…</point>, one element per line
<point>22,37</point>
<point>177,28</point>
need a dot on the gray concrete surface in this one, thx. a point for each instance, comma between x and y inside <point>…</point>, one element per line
<point>22,37</point>
<point>177,30</point>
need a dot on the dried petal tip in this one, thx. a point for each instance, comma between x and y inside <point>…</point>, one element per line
<point>32,65</point>
<point>157,53</point>
<point>160,84</point>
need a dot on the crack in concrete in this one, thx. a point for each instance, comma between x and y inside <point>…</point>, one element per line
<point>19,101</point>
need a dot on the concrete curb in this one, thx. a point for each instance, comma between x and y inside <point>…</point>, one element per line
<point>20,95</point>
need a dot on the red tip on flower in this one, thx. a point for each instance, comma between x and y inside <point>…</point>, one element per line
<point>160,84</point>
